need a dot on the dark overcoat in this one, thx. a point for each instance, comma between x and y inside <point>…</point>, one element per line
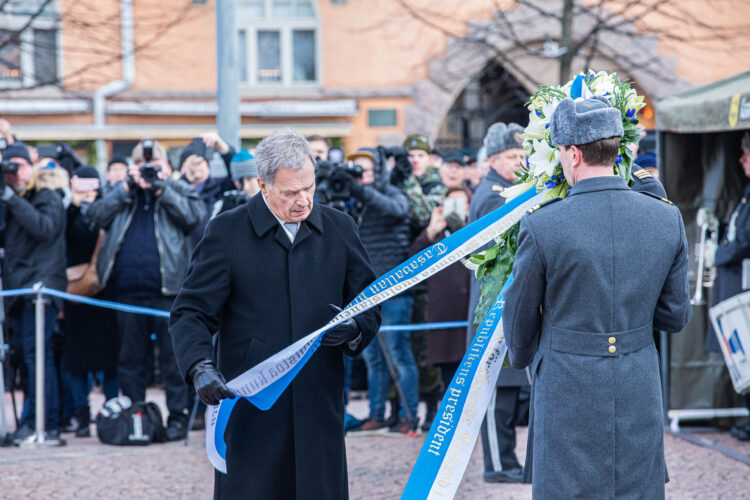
<point>607,265</point>
<point>447,300</point>
<point>91,339</point>
<point>734,247</point>
<point>261,293</point>
<point>485,200</point>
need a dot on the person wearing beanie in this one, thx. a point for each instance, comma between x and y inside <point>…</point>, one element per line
<point>91,341</point>
<point>34,252</point>
<point>607,266</point>
<point>244,173</point>
<point>117,170</point>
<point>503,152</point>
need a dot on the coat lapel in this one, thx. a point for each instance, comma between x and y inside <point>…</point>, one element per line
<point>313,224</point>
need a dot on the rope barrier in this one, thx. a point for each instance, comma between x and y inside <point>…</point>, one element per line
<point>117,306</point>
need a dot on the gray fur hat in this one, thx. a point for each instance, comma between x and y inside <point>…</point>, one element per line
<point>500,137</point>
<point>584,120</point>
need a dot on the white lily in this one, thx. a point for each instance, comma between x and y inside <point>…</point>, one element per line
<point>544,159</point>
<point>536,129</point>
<point>602,83</point>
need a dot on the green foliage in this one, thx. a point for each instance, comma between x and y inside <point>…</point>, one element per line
<point>494,272</point>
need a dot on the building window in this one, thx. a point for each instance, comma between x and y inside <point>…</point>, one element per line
<point>381,118</point>
<point>28,44</point>
<point>45,56</point>
<point>10,57</point>
<point>278,42</point>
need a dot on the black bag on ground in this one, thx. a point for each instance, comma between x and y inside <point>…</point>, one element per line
<point>121,424</point>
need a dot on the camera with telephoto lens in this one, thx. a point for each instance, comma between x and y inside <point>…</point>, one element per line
<point>149,171</point>
<point>334,182</point>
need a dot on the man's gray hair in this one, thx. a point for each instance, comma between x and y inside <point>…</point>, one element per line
<point>284,148</point>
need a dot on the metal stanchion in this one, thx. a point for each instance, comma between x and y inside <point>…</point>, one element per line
<point>40,435</point>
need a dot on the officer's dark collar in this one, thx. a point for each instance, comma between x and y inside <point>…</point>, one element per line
<point>494,178</point>
<point>263,220</point>
<point>603,183</point>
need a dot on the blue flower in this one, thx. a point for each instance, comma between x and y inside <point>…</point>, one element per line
<point>546,126</point>
<point>619,159</point>
<point>634,120</point>
<point>550,184</point>
<point>630,113</point>
<point>538,112</point>
<point>568,191</point>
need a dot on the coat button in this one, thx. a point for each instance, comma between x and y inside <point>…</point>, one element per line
<point>611,340</point>
<point>612,349</point>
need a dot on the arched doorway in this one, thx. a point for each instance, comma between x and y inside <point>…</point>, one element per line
<point>493,95</point>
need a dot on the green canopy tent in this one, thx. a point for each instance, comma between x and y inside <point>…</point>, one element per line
<point>698,144</point>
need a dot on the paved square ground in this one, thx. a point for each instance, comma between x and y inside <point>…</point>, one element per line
<point>378,469</point>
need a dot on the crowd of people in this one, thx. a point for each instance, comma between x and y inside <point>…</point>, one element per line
<point>125,236</point>
<point>128,234</point>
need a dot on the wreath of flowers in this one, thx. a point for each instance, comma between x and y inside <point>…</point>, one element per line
<point>544,170</point>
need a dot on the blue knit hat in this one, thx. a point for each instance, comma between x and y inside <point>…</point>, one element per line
<point>243,165</point>
<point>584,120</point>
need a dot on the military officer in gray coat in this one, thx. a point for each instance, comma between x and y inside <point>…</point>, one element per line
<point>595,273</point>
<point>509,403</point>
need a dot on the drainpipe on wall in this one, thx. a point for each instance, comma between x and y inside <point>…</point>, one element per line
<point>112,88</point>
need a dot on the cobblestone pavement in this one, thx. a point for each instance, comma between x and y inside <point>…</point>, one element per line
<point>378,469</point>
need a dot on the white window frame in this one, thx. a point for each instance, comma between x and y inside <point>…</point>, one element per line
<point>10,22</point>
<point>285,26</point>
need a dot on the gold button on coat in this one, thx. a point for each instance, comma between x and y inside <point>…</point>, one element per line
<point>611,340</point>
<point>612,349</point>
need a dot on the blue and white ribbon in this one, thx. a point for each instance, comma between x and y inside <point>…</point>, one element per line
<point>448,446</point>
<point>263,384</point>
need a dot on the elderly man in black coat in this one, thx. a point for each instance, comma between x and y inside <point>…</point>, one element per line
<point>265,275</point>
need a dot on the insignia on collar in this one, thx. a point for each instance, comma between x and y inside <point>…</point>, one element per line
<point>642,174</point>
<point>498,188</point>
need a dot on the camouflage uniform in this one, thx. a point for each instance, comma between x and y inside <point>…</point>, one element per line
<point>424,193</point>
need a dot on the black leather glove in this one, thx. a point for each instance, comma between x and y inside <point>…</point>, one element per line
<point>401,170</point>
<point>341,333</point>
<point>209,383</point>
<point>158,184</point>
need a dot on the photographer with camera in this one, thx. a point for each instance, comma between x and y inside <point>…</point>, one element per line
<point>382,214</point>
<point>195,167</point>
<point>414,175</point>
<point>34,251</point>
<point>144,257</point>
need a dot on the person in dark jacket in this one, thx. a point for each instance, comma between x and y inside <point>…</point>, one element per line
<point>144,257</point>
<point>447,291</point>
<point>91,341</point>
<point>733,250</point>
<point>509,404</point>
<point>261,278</point>
<point>34,252</point>
<point>382,214</point>
<point>195,167</point>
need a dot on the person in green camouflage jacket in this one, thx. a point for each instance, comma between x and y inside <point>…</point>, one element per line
<point>423,187</point>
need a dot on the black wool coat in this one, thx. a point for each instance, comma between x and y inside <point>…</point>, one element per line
<point>261,293</point>
<point>91,339</point>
